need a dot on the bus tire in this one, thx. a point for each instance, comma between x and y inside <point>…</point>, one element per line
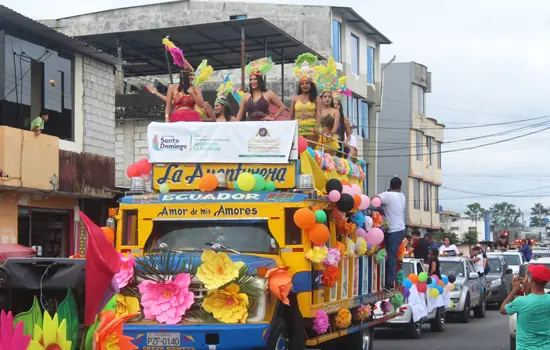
<point>360,340</point>
<point>278,336</point>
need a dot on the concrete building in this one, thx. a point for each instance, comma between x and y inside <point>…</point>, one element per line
<point>409,143</point>
<point>46,179</point>
<point>328,30</point>
<point>452,222</point>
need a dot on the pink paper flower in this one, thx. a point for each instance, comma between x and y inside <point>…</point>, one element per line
<point>12,338</point>
<point>126,273</point>
<point>333,257</point>
<point>320,322</point>
<point>166,302</point>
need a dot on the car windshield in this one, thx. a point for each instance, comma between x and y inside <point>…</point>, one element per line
<point>541,254</point>
<point>408,268</point>
<point>494,265</point>
<point>242,236</point>
<point>512,259</point>
<point>455,268</point>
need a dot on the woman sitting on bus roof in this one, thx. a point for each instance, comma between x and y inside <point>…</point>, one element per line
<point>344,131</point>
<point>222,108</point>
<point>305,105</point>
<point>256,102</point>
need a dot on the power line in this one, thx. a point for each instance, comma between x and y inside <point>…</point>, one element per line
<point>504,194</point>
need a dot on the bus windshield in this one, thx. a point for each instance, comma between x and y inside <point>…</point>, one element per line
<point>242,236</point>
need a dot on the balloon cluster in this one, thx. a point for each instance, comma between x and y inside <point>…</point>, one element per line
<point>248,182</point>
<point>431,284</point>
<point>208,183</point>
<point>313,223</point>
<point>142,168</point>
<point>346,196</point>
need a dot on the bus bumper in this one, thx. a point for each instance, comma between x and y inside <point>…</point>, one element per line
<point>205,336</point>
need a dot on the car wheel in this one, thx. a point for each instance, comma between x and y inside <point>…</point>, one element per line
<point>479,310</point>
<point>360,340</point>
<point>414,330</point>
<point>438,323</point>
<point>464,316</point>
<point>512,343</point>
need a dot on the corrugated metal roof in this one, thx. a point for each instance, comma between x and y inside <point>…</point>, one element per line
<point>11,18</point>
<point>355,18</point>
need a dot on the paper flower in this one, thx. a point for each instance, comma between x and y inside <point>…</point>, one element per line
<point>317,254</point>
<point>342,319</point>
<point>364,312</point>
<point>350,248</point>
<point>321,322</point>
<point>330,276</point>
<point>397,300</point>
<point>333,257</point>
<point>341,247</point>
<point>109,333</point>
<point>280,282</point>
<point>372,250</point>
<point>12,338</point>
<point>381,256</point>
<point>166,302</point>
<point>126,273</point>
<point>126,305</point>
<point>377,220</point>
<point>361,246</point>
<point>217,269</point>
<point>386,307</point>
<point>52,335</point>
<point>227,305</point>
<point>400,277</point>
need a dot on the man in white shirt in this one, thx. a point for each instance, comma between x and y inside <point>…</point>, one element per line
<point>393,204</point>
<point>477,260</point>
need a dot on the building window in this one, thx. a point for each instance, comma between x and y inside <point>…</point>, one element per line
<point>416,193</point>
<point>355,54</point>
<point>418,99</point>
<point>429,144</point>
<point>438,155</point>
<point>354,119</point>
<point>336,40</point>
<point>427,196</point>
<point>370,64</point>
<point>419,145</point>
<point>235,17</point>
<point>364,125</point>
<point>436,198</point>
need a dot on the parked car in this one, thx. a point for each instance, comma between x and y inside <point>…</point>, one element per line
<point>436,317</point>
<point>513,318</point>
<point>499,279</point>
<point>513,258</point>
<point>468,293</point>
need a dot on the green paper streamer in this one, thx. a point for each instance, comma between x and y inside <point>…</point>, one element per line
<point>30,318</point>
<point>397,300</point>
<point>68,311</point>
<point>380,256</point>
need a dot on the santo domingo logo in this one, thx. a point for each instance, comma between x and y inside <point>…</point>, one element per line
<point>168,143</point>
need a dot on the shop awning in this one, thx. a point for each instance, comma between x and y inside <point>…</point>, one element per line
<point>12,250</point>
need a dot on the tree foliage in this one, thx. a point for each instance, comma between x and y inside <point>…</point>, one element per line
<point>538,213</point>
<point>505,215</point>
<point>439,236</point>
<point>470,237</point>
<point>475,211</point>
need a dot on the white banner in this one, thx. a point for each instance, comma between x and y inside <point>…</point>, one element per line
<point>273,142</point>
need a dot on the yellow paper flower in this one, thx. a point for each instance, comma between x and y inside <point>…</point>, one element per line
<point>126,305</point>
<point>227,305</point>
<point>52,335</point>
<point>342,319</point>
<point>361,246</point>
<point>217,269</point>
<point>350,248</point>
<point>317,254</point>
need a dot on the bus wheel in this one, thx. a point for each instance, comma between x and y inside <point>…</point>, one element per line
<point>360,340</point>
<point>278,336</point>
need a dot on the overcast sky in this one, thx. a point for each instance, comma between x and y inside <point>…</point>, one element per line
<point>490,63</point>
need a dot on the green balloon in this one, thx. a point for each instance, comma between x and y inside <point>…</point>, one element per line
<point>259,183</point>
<point>236,186</point>
<point>320,216</point>
<point>269,186</point>
<point>422,277</point>
<point>164,188</point>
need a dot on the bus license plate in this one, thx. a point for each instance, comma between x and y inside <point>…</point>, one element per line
<point>163,339</point>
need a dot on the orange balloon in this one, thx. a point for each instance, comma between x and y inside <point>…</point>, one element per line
<point>440,282</point>
<point>356,201</point>
<point>304,218</point>
<point>319,234</point>
<point>345,183</point>
<point>208,183</point>
<point>109,233</point>
<point>413,278</point>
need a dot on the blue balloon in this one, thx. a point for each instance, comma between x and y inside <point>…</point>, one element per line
<point>433,284</point>
<point>407,284</point>
<point>445,280</point>
<point>439,288</point>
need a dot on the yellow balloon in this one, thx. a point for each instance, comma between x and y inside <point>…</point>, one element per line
<point>434,293</point>
<point>246,182</point>
<point>453,285</point>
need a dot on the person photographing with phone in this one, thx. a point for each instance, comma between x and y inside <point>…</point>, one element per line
<point>533,309</point>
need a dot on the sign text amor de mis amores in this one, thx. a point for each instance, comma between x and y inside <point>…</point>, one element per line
<point>222,210</point>
<point>188,176</point>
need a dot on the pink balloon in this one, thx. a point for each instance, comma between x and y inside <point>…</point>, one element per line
<point>365,202</point>
<point>334,196</point>
<point>448,287</point>
<point>348,190</point>
<point>375,236</point>
<point>434,278</point>
<point>361,233</point>
<point>356,189</point>
<point>302,144</point>
<point>376,202</point>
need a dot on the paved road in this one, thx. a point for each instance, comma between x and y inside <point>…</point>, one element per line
<point>490,333</point>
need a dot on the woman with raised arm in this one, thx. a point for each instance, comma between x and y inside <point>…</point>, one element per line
<point>222,109</point>
<point>184,97</point>
<point>255,104</point>
<point>305,104</point>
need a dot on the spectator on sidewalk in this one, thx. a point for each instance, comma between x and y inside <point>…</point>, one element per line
<point>533,309</point>
<point>393,204</point>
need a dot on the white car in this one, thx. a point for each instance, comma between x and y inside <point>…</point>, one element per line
<point>436,317</point>
<point>513,318</point>
<point>514,259</point>
<point>541,252</point>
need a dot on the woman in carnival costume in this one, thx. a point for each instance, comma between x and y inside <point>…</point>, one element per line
<point>185,97</point>
<point>256,102</point>
<point>304,105</point>
<point>222,109</point>
<point>344,131</point>
<point>327,82</point>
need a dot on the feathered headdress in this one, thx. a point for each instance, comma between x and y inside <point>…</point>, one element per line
<point>327,76</point>
<point>203,74</point>
<point>177,54</point>
<point>341,89</point>
<point>224,90</point>
<point>303,69</point>
<point>259,67</point>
